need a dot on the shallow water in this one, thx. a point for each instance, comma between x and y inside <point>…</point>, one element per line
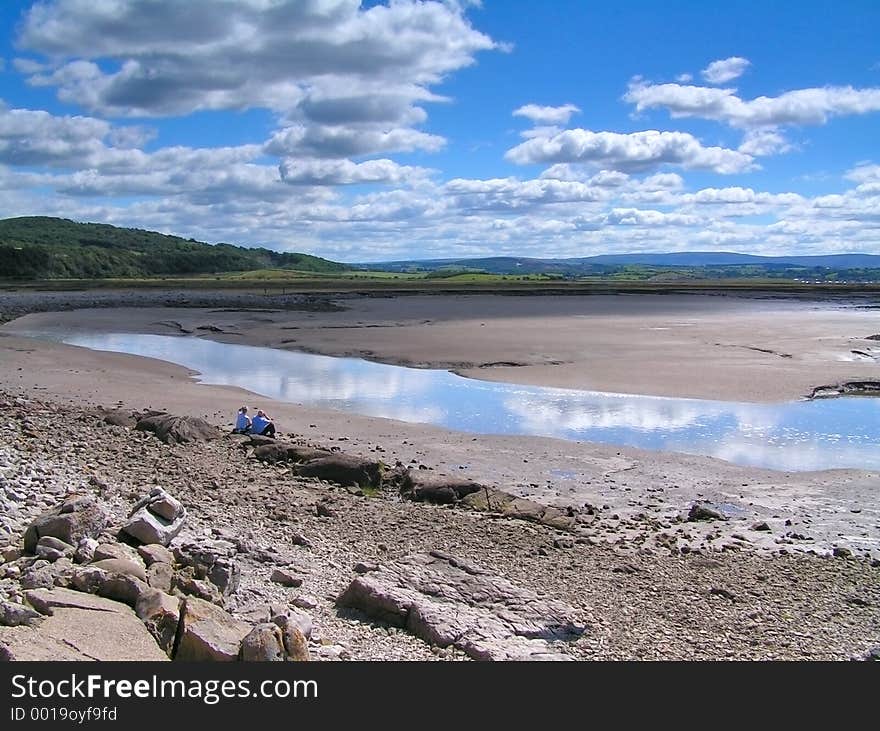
<point>793,436</point>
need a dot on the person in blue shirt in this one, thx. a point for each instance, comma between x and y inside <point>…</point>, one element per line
<point>262,424</point>
<point>242,422</point>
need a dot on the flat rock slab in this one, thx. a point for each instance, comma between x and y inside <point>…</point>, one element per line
<point>490,500</point>
<point>447,601</point>
<point>81,627</point>
<point>441,489</point>
<point>178,429</point>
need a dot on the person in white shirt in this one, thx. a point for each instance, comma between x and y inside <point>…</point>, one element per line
<point>242,422</point>
<point>262,424</point>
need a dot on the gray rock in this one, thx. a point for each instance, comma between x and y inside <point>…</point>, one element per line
<point>264,643</point>
<point>16,615</point>
<point>160,613</point>
<point>290,618</point>
<point>423,486</point>
<point>72,520</point>
<point>85,550</point>
<point>447,601</point>
<point>116,550</point>
<point>80,627</point>
<point>343,469</point>
<point>209,632</point>
<point>285,578</point>
<point>274,452</point>
<point>305,601</point>
<point>178,429</point>
<point>147,527</point>
<point>54,546</point>
<point>211,560</point>
<point>121,566</point>
<point>155,553</point>
<point>118,587</point>
<point>704,511</point>
<point>160,576</point>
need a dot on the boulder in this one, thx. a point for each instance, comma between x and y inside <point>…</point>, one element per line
<point>52,549</point>
<point>121,566</point>
<point>273,452</point>
<point>209,632</point>
<point>71,521</point>
<point>705,511</point>
<point>117,417</point>
<point>115,550</point>
<point>148,526</point>
<point>160,576</point>
<point>264,643</point>
<point>285,578</point>
<point>211,560</point>
<point>79,627</point>
<point>118,587</point>
<point>343,469</point>
<point>489,499</point>
<point>447,601</point>
<point>16,615</point>
<point>155,553</point>
<point>178,429</point>
<point>422,486</point>
<point>160,612</point>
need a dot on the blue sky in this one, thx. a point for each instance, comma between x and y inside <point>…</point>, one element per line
<point>388,130</point>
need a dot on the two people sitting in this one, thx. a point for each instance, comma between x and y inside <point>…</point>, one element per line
<point>261,424</point>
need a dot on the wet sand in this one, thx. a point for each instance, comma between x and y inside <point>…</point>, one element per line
<point>696,346</point>
<point>685,346</point>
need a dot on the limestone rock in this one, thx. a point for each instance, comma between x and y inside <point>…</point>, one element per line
<point>209,633</point>
<point>274,452</point>
<point>285,578</point>
<point>15,615</point>
<point>80,627</point>
<point>264,643</point>
<point>118,587</point>
<point>178,429</point>
<point>343,469</point>
<point>155,553</point>
<point>121,566</point>
<point>160,576</point>
<point>704,511</point>
<point>421,486</point>
<point>447,601</point>
<point>52,549</point>
<point>491,500</point>
<point>148,526</point>
<point>74,519</point>
<point>115,550</point>
<point>160,613</point>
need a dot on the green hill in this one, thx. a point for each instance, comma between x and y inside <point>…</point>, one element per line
<point>40,247</point>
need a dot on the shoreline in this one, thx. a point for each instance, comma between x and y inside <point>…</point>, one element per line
<point>730,348</point>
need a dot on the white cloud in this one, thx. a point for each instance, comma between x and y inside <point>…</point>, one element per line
<point>547,115</point>
<point>346,172</point>
<point>799,107</point>
<point>172,57</point>
<point>348,141</point>
<point>684,78</point>
<point>724,70</point>
<point>629,152</point>
<point>764,141</point>
<point>864,173</point>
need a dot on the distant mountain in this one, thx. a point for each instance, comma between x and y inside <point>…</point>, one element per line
<point>53,248</point>
<point>609,263</point>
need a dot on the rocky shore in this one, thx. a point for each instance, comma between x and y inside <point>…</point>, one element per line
<point>296,550</point>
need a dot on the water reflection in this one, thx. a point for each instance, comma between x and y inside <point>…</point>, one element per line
<point>790,436</point>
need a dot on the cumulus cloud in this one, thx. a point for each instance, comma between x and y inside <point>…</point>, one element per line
<point>799,107</point>
<point>764,141</point>
<point>629,152</point>
<point>34,137</point>
<point>346,172</point>
<point>864,173</point>
<point>547,115</point>
<point>335,141</point>
<point>171,57</point>
<point>724,70</point>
